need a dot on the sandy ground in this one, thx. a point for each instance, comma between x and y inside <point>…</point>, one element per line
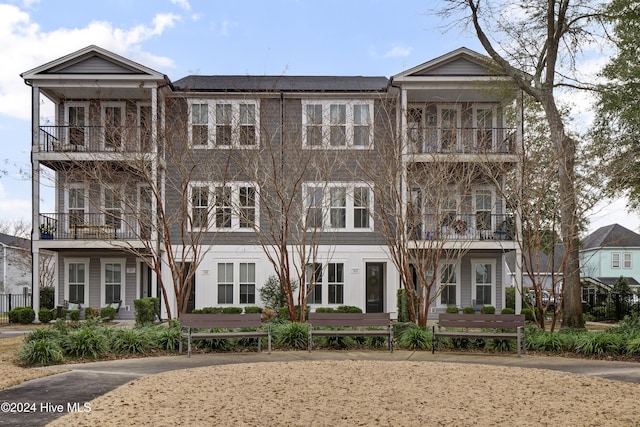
<point>364,393</point>
<point>10,374</point>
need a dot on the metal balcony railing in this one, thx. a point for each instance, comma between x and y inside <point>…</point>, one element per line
<point>461,140</point>
<point>453,227</point>
<point>94,139</point>
<point>91,226</point>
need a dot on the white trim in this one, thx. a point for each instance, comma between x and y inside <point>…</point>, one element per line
<point>235,122</point>
<point>326,123</point>
<point>349,206</point>
<point>458,269</point>
<point>492,262</point>
<point>624,261</point>
<point>123,283</point>
<point>618,254</point>
<point>84,261</point>
<point>235,205</point>
<point>85,105</point>
<point>140,125</point>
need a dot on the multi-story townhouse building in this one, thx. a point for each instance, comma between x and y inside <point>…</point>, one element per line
<point>239,178</point>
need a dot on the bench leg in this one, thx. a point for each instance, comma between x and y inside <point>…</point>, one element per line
<point>180,345</point>
<point>189,347</point>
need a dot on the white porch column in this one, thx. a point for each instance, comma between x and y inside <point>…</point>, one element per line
<point>35,201</point>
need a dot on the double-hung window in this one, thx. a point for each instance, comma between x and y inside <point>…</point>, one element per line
<point>337,124</point>
<point>615,260</point>
<point>338,207</point>
<point>483,275</point>
<point>112,279</point>
<point>448,285</point>
<point>314,283</point>
<point>626,260</point>
<point>76,281</point>
<point>225,283</point>
<point>113,207</point>
<point>335,280</point>
<point>225,123</point>
<point>230,206</point>
<point>247,283</point>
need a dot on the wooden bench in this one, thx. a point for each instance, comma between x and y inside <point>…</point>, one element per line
<point>495,326</point>
<point>234,322</point>
<point>354,320</point>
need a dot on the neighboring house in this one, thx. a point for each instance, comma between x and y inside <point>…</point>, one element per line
<point>537,269</point>
<point>607,254</point>
<point>112,111</point>
<point>15,265</point>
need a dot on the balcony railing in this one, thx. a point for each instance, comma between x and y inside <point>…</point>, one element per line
<point>462,140</point>
<point>450,227</point>
<point>94,139</point>
<point>90,226</point>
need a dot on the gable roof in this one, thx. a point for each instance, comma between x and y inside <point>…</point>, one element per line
<point>90,61</point>
<point>611,236</point>
<point>14,241</point>
<point>246,83</point>
<point>545,262</point>
<point>460,62</point>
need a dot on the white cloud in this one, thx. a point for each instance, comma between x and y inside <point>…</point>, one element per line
<point>13,208</point>
<point>182,3</point>
<point>397,52</point>
<point>24,45</point>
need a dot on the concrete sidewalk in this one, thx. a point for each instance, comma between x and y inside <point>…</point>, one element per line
<point>51,397</point>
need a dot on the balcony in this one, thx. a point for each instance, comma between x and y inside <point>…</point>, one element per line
<point>473,227</point>
<point>95,226</point>
<point>438,140</point>
<point>94,139</point>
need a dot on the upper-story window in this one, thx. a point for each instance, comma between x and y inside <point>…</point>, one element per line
<point>626,260</point>
<point>230,206</point>
<point>338,206</point>
<point>113,120</point>
<point>337,124</point>
<point>224,123</point>
<point>615,260</point>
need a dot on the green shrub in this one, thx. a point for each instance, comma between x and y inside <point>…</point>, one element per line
<point>376,341</point>
<point>22,315</point>
<point>508,311</point>
<point>51,334</point>
<point>272,295</point>
<point>325,310</point>
<point>253,309</point>
<point>546,342</point>
<point>63,313</point>
<point>217,344</point>
<point>146,309</point>
<point>348,309</point>
<point>74,315</point>
<point>208,310</point>
<point>469,310</point>
<point>232,310</point>
<point>452,309</point>
<point>167,338</point>
<point>403,306</point>
<point>41,352</point>
<point>510,297</point>
<point>528,314</point>
<point>92,313</point>
<point>292,335</point>
<point>88,343</point>
<point>45,315</point>
<point>599,343</point>
<point>339,342</point>
<point>488,309</point>
<point>47,297</point>
<point>633,347</point>
<point>130,341</point>
<point>415,339</point>
<point>107,313</point>
<point>499,344</point>
<point>400,327</point>
<point>284,312</point>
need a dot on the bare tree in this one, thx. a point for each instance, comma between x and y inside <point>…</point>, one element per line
<point>531,44</point>
<point>292,182</point>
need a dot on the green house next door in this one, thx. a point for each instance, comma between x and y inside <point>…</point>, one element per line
<point>375,287</point>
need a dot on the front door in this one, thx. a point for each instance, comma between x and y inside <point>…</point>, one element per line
<point>375,287</point>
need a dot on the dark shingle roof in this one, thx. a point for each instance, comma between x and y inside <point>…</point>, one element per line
<point>13,241</point>
<point>543,261</point>
<point>611,236</point>
<point>281,83</point>
<point>610,281</point>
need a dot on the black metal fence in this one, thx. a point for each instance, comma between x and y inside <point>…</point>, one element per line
<point>10,301</point>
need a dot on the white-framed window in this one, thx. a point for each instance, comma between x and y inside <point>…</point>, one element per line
<point>337,124</point>
<point>217,206</point>
<point>449,293</point>
<point>228,123</point>
<point>112,116</point>
<point>76,276</point>
<point>338,206</point>
<point>335,282</point>
<point>449,126</point>
<point>113,280</point>
<point>484,124</point>
<point>247,283</point>
<point>113,206</point>
<point>76,202</point>
<point>627,261</point>
<point>225,283</point>
<point>314,283</point>
<point>483,202</point>
<point>615,259</point>
<point>483,276</point>
<point>76,117</point>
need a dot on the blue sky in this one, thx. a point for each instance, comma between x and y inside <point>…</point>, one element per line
<point>181,37</point>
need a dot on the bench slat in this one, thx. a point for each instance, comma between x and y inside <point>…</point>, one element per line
<point>353,320</point>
